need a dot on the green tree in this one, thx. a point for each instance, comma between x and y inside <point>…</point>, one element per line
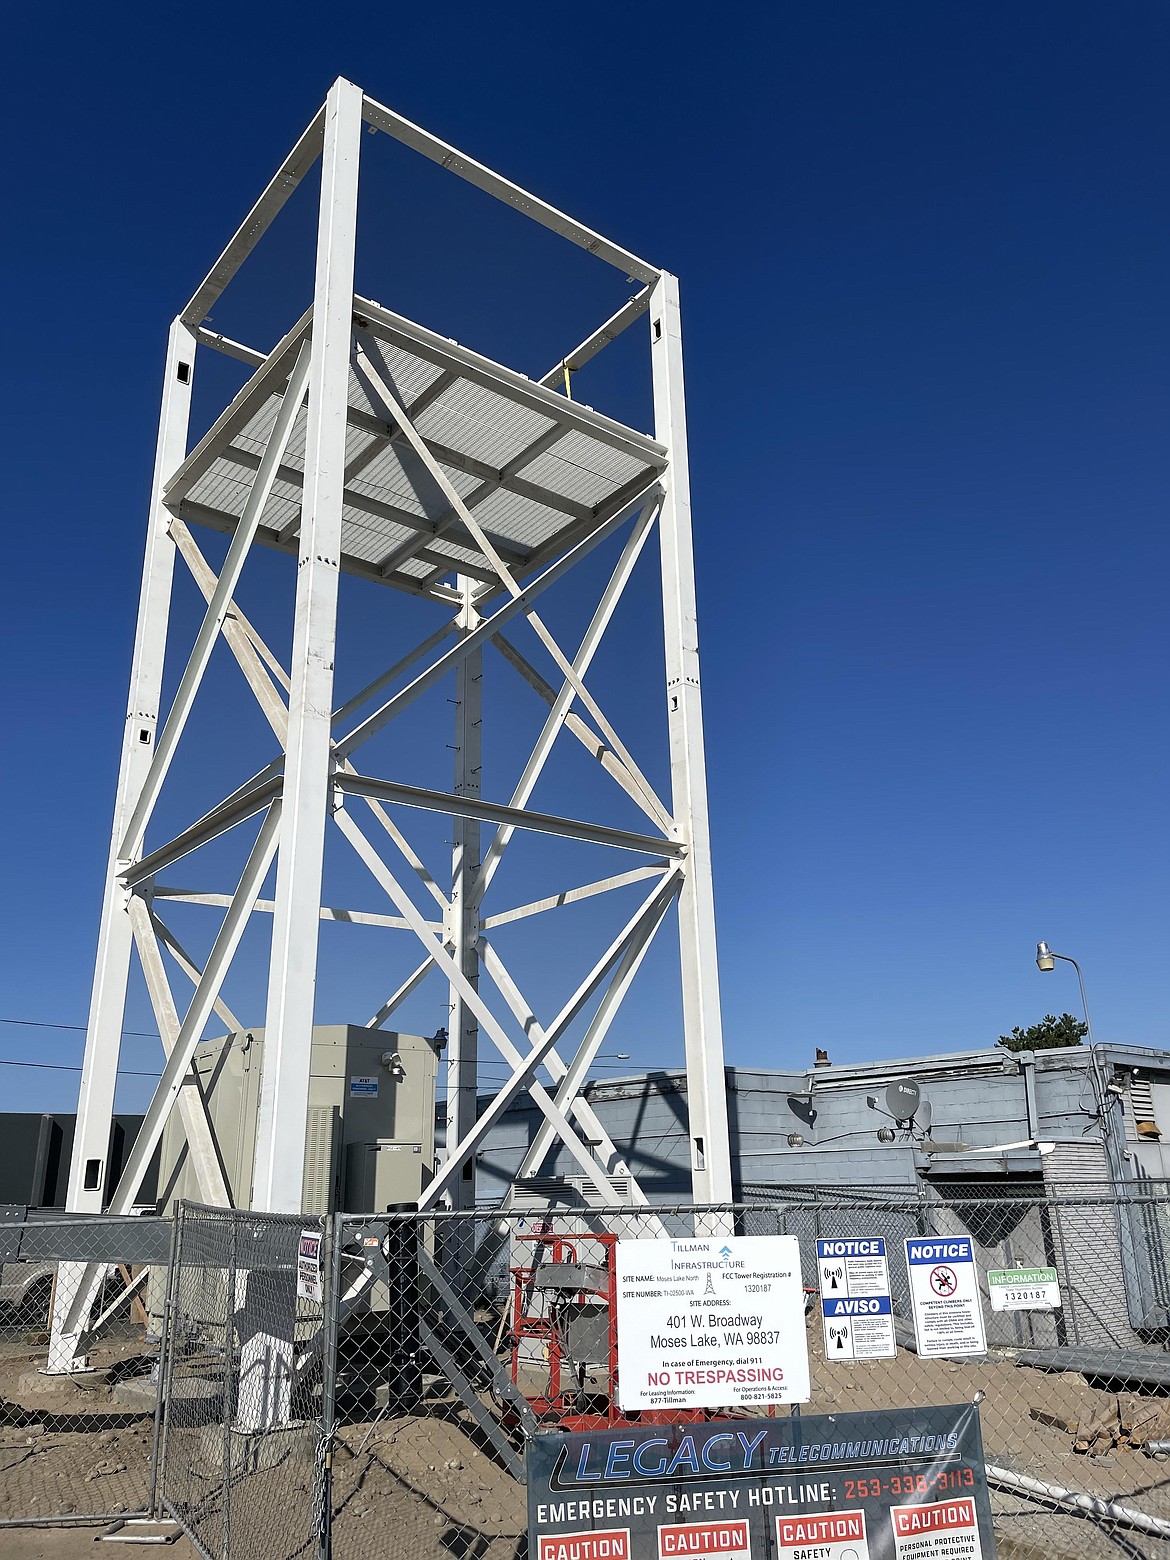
<point>1049,1032</point>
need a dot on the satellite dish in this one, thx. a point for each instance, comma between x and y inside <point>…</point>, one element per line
<point>903,1099</point>
<point>924,1116</point>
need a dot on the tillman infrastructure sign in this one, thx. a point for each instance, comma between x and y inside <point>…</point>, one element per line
<point>711,1323</point>
<point>898,1484</point>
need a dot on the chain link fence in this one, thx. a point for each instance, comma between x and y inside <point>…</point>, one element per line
<point>365,1386</point>
<point>472,1329</point>
<point>246,1371</point>
<point>77,1413</point>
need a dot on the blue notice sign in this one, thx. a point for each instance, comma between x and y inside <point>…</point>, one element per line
<point>944,1289</point>
<point>856,1312</point>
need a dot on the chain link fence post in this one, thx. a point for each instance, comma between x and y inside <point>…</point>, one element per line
<point>332,1332</point>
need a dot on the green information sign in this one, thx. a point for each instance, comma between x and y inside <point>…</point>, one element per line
<point>1023,1289</point>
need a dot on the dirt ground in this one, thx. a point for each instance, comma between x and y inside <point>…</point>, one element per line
<point>423,1487</point>
<point>75,1543</point>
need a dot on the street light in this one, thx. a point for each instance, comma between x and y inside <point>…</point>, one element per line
<point>1046,960</point>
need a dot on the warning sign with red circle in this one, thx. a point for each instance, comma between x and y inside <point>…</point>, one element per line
<point>943,1280</point>
<point>944,1290</point>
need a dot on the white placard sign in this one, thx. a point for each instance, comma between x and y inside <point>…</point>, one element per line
<point>856,1312</point>
<point>942,1530</point>
<point>309,1278</point>
<point>944,1290</point>
<point>822,1535</point>
<point>1023,1289</point>
<point>711,1322</point>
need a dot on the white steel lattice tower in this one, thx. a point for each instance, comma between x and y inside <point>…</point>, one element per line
<point>354,393</point>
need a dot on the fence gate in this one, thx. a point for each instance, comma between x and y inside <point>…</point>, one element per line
<point>77,1447</point>
<point>241,1463</point>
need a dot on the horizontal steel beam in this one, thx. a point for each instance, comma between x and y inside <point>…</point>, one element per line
<point>283,182</point>
<point>501,477</point>
<point>235,349</point>
<point>428,344</point>
<point>218,821</point>
<point>601,338</point>
<point>497,812</point>
<point>222,520</point>
<point>269,379</point>
<point>450,523</point>
<point>365,505</point>
<point>437,387</point>
<point>457,162</point>
<point>191,896</point>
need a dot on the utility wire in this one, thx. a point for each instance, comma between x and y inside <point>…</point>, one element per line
<point>146,1034</point>
<point>123,1072</point>
<point>38,1023</point>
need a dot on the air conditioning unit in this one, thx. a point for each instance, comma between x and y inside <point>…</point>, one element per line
<point>369,1129</point>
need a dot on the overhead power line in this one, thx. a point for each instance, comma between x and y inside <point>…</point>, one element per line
<point>41,1023</point>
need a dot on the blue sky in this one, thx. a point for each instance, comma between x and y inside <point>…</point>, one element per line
<point>923,254</point>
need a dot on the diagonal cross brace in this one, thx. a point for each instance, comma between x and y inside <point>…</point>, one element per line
<point>590,1122</point>
<point>250,651</point>
<point>626,953</point>
<point>73,1308</point>
<point>376,385</point>
<point>450,968</point>
<point>217,607</point>
<point>397,998</point>
<point>610,597</point>
<point>573,723</point>
<point>192,1102</point>
<point>503,615</point>
<point>568,1093</point>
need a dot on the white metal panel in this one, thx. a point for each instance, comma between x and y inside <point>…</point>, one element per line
<point>368,538</point>
<point>479,422</point>
<point>476,422</point>
<point>519,519</point>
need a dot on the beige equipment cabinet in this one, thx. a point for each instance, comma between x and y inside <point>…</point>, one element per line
<point>370,1130</point>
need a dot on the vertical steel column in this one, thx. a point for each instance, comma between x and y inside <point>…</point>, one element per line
<point>702,1020</point>
<point>292,975</point>
<point>463,1052</point>
<point>95,1103</point>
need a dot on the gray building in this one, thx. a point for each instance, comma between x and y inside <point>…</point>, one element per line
<point>1043,1158</point>
<point>1079,1114</point>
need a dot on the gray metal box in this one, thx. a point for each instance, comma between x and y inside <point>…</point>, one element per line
<point>381,1175</point>
<point>370,1130</point>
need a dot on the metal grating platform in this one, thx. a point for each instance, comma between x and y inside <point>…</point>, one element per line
<point>537,469</point>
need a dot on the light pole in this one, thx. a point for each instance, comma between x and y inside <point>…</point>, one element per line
<point>1114,1148</point>
<point>1046,960</point>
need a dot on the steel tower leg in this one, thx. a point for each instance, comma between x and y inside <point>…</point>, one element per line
<point>463,1052</point>
<point>702,1020</point>
<point>88,1167</point>
<point>292,976</point>
<point>88,1170</point>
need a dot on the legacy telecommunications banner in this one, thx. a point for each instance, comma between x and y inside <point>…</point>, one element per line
<point>896,1484</point>
<point>710,1323</point>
